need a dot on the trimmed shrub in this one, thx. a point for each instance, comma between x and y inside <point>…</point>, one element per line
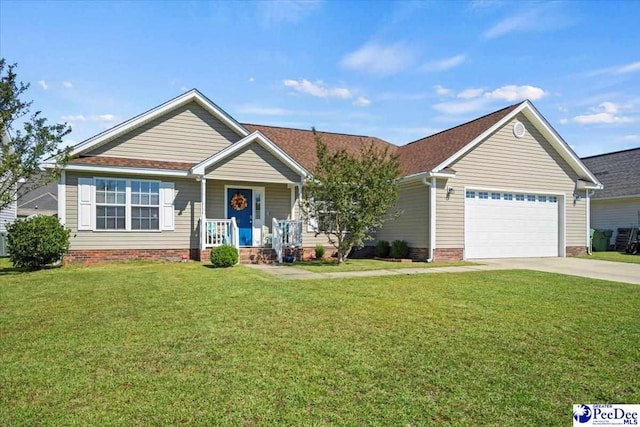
<point>36,242</point>
<point>319,251</point>
<point>224,256</point>
<point>399,249</point>
<point>382,249</point>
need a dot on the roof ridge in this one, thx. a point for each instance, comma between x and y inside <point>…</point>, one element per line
<point>463,124</point>
<point>612,152</point>
<point>319,131</point>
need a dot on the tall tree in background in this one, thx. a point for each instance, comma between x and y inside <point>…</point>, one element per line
<point>349,197</point>
<point>25,139</point>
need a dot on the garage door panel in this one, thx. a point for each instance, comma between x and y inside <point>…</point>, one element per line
<point>499,228</point>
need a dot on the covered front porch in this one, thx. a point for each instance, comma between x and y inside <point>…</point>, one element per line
<point>250,215</point>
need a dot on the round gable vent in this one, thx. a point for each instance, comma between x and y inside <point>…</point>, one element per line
<point>518,129</point>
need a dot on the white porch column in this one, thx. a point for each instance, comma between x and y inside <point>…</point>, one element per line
<point>203,212</point>
<point>292,187</point>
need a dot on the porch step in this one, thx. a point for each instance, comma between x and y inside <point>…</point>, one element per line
<point>258,256</point>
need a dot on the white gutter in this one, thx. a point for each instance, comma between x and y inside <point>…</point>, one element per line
<point>432,214</point>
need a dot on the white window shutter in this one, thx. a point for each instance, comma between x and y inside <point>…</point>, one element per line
<point>167,196</point>
<point>85,204</point>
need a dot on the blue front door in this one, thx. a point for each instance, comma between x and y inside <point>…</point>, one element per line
<point>240,206</point>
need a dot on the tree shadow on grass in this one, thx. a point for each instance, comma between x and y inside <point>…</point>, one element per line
<point>9,270</point>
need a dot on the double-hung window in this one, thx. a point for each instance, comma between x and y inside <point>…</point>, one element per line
<point>145,205</point>
<point>111,204</point>
<point>117,204</point>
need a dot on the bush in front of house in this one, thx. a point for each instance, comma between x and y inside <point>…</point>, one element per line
<point>382,249</point>
<point>224,256</point>
<point>36,242</point>
<point>319,251</point>
<point>399,249</point>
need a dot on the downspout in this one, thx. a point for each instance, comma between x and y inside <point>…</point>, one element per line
<point>432,215</point>
<point>588,203</point>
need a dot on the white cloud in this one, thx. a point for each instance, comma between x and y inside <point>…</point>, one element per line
<point>476,99</point>
<point>512,93</point>
<point>43,84</point>
<point>444,64</point>
<point>318,89</point>
<point>74,118</point>
<point>547,16</point>
<point>470,93</point>
<point>629,68</point>
<point>291,11</point>
<point>605,113</point>
<point>379,59</point>
<point>104,118</point>
<point>442,91</point>
<point>362,101</point>
<point>67,84</point>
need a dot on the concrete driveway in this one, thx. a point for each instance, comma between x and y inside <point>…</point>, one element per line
<point>595,269</point>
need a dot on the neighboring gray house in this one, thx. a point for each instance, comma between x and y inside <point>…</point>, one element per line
<point>7,216</point>
<point>618,205</point>
<point>42,200</point>
<point>185,176</point>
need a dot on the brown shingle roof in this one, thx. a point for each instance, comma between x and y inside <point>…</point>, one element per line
<point>301,145</point>
<point>418,156</point>
<point>426,153</point>
<point>133,163</point>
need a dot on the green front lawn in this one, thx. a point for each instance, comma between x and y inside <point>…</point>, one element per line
<point>331,265</point>
<point>613,256</point>
<point>183,344</point>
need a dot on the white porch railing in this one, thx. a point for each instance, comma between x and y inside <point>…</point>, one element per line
<point>221,232</point>
<point>276,239</point>
<point>286,234</point>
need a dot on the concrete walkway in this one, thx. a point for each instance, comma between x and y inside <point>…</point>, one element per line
<point>594,269</point>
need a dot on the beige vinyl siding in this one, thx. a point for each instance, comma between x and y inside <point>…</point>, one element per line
<point>309,239</point>
<point>614,214</point>
<point>277,199</point>
<point>186,134</point>
<point>413,223</point>
<point>187,221</point>
<point>253,163</point>
<point>505,162</point>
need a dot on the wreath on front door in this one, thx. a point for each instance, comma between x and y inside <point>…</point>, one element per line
<point>239,202</point>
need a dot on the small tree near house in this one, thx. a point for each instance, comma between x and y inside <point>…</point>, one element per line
<point>25,140</point>
<point>349,196</point>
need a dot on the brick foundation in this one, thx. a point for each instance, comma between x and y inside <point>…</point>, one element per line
<point>93,256</point>
<point>419,254</point>
<point>448,254</point>
<point>576,250</point>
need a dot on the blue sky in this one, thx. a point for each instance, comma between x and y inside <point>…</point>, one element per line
<point>396,70</point>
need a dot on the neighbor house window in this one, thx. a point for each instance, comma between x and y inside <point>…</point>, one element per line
<point>111,204</point>
<point>145,205</point>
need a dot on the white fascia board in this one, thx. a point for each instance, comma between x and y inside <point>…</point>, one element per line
<point>256,136</point>
<point>122,128</point>
<point>445,175</point>
<point>539,121</point>
<point>413,177</point>
<point>127,170</point>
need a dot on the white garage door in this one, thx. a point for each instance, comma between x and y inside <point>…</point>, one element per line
<point>510,225</point>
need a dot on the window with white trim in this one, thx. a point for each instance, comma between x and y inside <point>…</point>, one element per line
<point>507,196</point>
<point>145,205</point>
<point>483,195</point>
<point>111,204</point>
<point>542,199</point>
<point>531,198</point>
<point>495,196</point>
<point>520,197</point>
<point>471,195</point>
<point>553,199</point>
<point>116,204</point>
